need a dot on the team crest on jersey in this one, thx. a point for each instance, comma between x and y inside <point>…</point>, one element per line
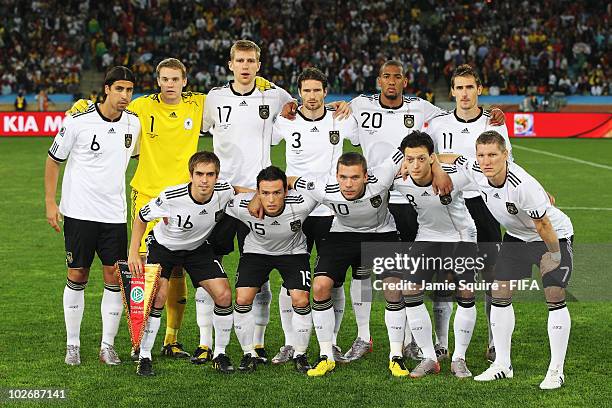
<point>69,258</point>
<point>446,199</point>
<point>188,125</point>
<point>264,111</point>
<point>409,121</point>
<point>295,225</point>
<point>376,201</point>
<point>219,215</point>
<point>334,137</point>
<point>128,140</point>
<point>511,208</point>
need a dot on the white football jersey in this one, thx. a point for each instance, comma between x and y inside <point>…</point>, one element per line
<point>98,152</point>
<point>280,235</point>
<point>440,218</point>
<point>313,147</point>
<point>189,222</point>
<point>241,126</point>
<point>382,128</point>
<point>452,134</point>
<point>517,202</point>
<point>367,214</point>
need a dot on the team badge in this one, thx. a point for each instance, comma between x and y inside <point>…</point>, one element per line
<point>295,225</point>
<point>128,140</point>
<point>219,215</point>
<point>188,124</point>
<point>158,202</point>
<point>69,258</point>
<point>264,111</point>
<point>446,199</point>
<point>511,208</point>
<point>409,121</point>
<point>376,201</point>
<point>334,137</point>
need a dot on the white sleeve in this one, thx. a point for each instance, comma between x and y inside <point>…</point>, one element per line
<point>388,169</point>
<point>465,167</point>
<point>284,97</point>
<point>63,141</point>
<point>460,180</point>
<point>277,131</point>
<point>430,111</point>
<point>238,206</point>
<point>503,130</point>
<point>314,189</point>
<point>208,120</point>
<point>156,208</point>
<point>532,199</point>
<point>349,130</point>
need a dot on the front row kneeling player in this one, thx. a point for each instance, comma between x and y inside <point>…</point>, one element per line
<point>190,212</point>
<point>277,241</point>
<point>536,233</point>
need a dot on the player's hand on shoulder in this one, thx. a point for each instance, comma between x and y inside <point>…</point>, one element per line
<point>289,110</point>
<point>54,217</point>
<point>79,106</point>
<point>343,109</point>
<point>255,208</point>
<point>135,264</point>
<point>262,84</point>
<point>497,117</point>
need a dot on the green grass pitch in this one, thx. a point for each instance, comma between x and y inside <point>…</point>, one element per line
<point>32,334</point>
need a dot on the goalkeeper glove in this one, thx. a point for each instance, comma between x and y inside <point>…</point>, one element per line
<point>262,84</point>
<point>79,106</point>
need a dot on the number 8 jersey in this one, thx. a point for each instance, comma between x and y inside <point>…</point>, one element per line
<point>98,151</point>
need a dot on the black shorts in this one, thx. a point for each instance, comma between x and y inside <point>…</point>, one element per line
<point>339,250</point>
<point>456,259</point>
<point>489,234</point>
<point>405,217</point>
<point>83,239</point>
<point>200,263</point>
<point>516,259</point>
<point>254,270</point>
<point>222,236</point>
<point>315,228</point>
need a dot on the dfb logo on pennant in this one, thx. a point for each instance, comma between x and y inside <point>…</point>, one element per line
<point>264,111</point>
<point>295,225</point>
<point>511,208</point>
<point>409,121</point>
<point>334,137</point>
<point>128,140</point>
<point>376,201</point>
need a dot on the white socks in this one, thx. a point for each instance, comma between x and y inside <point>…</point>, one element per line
<point>285,309</point>
<point>244,326</point>
<point>323,319</point>
<point>361,297</point>
<point>261,313</point>
<point>442,310</point>
<point>302,327</point>
<point>204,316</point>
<point>110,309</point>
<point>559,325</point>
<point>223,320</point>
<point>463,326</point>
<point>150,332</point>
<point>395,320</point>
<point>339,300</point>
<point>502,326</point>
<point>74,305</point>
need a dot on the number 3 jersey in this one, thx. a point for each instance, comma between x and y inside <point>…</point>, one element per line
<point>517,202</point>
<point>189,222</point>
<point>440,218</point>
<point>279,235</point>
<point>366,214</point>
<point>98,151</point>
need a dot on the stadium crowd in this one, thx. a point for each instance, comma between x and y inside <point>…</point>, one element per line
<point>521,48</point>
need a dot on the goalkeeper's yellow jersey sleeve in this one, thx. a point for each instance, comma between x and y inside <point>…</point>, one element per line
<point>169,138</point>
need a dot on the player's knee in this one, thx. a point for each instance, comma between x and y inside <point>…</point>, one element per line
<point>322,287</point>
<point>78,274</point>
<point>299,298</point>
<point>501,289</point>
<point>109,275</point>
<point>554,294</point>
<point>244,298</point>
<point>224,298</point>
<point>465,294</point>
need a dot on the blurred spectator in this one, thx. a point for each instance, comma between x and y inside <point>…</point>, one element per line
<point>529,104</point>
<point>20,102</point>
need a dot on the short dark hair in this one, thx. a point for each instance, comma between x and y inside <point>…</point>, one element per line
<point>352,159</point>
<point>492,137</point>
<point>272,173</point>
<point>119,73</point>
<point>465,70</point>
<point>417,139</point>
<point>312,73</point>
<point>204,157</point>
<point>390,63</point>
